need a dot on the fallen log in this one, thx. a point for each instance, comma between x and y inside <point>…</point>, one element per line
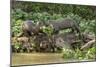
<point>87,37</point>
<point>88,44</point>
<point>68,40</point>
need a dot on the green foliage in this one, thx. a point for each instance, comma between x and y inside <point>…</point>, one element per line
<point>48,30</point>
<point>19,14</point>
<point>88,26</point>
<point>80,55</point>
<point>67,30</point>
<point>68,54</point>
<point>17,45</point>
<point>16,28</point>
<point>87,12</point>
<point>91,53</point>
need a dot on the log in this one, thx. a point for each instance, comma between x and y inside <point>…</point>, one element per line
<point>66,40</point>
<point>87,37</point>
<point>88,44</point>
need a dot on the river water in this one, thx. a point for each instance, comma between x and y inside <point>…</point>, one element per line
<point>38,58</point>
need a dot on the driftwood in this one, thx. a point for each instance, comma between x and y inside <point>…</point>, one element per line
<point>88,44</point>
<point>42,43</point>
<point>68,37</point>
<point>87,37</point>
<point>23,39</point>
<point>25,43</point>
<point>55,42</point>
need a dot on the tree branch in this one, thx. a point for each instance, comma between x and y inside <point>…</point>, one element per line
<point>88,44</point>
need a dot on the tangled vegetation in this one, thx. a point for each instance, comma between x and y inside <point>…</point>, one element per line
<point>83,15</point>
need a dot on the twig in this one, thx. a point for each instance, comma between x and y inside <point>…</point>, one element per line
<point>88,44</point>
